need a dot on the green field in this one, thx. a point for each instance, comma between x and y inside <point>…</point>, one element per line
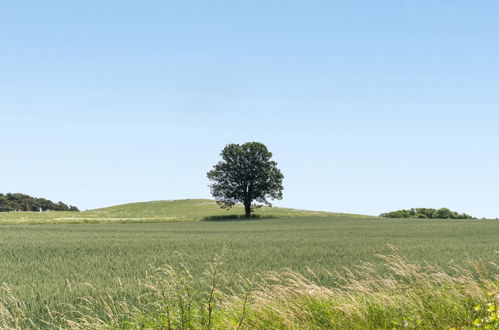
<point>47,264</point>
<point>157,211</point>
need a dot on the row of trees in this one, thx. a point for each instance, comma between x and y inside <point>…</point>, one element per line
<point>425,213</point>
<point>20,202</point>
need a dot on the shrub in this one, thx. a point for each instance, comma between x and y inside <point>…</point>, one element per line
<point>426,213</point>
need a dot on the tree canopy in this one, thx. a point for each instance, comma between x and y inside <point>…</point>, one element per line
<point>20,202</point>
<point>427,213</point>
<point>246,174</point>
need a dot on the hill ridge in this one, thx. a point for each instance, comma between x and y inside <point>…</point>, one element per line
<point>235,209</point>
<point>163,211</point>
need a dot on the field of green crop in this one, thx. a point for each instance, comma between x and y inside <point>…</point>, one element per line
<point>51,264</point>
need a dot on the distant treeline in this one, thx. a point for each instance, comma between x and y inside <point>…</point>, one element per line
<point>424,213</point>
<point>20,202</point>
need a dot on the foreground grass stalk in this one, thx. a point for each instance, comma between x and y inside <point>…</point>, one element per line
<point>243,312</point>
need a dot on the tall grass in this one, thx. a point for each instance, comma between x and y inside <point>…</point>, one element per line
<point>12,311</point>
<point>408,295</point>
<point>403,295</point>
<point>46,265</point>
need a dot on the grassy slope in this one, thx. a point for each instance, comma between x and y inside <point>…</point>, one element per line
<point>179,210</point>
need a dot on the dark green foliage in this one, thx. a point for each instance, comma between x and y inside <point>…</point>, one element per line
<point>424,213</point>
<point>246,174</point>
<point>20,202</point>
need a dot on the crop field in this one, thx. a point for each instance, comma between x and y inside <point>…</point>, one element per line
<point>53,264</point>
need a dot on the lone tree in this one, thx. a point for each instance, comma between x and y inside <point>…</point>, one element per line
<point>246,174</point>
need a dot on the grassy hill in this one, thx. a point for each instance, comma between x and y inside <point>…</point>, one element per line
<point>158,211</point>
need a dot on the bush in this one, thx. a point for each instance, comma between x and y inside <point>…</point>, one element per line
<point>427,213</point>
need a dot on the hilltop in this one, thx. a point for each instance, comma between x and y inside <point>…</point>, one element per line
<point>159,211</point>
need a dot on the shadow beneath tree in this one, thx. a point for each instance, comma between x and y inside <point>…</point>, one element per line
<point>237,217</point>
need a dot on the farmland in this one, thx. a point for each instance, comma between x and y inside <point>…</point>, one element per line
<point>47,265</point>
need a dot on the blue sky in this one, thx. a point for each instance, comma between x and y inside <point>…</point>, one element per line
<point>368,106</point>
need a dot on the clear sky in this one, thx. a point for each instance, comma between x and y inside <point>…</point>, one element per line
<point>368,106</point>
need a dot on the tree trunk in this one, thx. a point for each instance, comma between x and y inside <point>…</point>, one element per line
<point>247,209</point>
